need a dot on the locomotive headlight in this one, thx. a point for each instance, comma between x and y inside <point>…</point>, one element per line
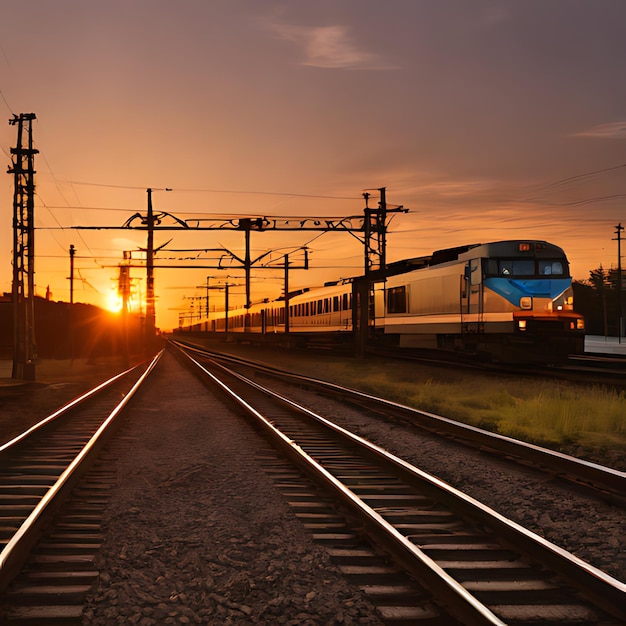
<point>559,307</point>
<point>526,302</point>
<point>580,323</point>
<point>521,324</point>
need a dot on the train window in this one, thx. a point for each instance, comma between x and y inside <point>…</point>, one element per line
<point>396,299</point>
<point>335,304</point>
<point>517,267</point>
<point>550,268</point>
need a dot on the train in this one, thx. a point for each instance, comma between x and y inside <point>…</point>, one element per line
<point>503,301</point>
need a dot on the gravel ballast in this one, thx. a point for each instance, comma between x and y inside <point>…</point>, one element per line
<point>197,533</point>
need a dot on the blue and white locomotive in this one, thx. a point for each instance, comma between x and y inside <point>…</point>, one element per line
<point>507,300</point>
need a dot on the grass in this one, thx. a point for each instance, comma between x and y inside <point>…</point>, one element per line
<point>549,413</point>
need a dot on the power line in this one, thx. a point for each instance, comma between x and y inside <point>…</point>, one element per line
<point>90,208</point>
<point>231,191</point>
<point>588,200</point>
<point>56,182</point>
<point>576,178</point>
<point>5,102</point>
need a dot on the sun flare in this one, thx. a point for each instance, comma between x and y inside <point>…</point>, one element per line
<point>114,302</point>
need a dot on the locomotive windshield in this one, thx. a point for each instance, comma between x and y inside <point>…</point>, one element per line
<point>524,268</point>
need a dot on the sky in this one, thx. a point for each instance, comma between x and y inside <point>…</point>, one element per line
<point>488,120</point>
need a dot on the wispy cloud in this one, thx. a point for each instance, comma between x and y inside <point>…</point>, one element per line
<point>331,47</point>
<point>614,130</point>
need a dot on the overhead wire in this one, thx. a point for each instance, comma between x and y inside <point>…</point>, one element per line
<point>6,103</point>
<point>565,184</point>
<point>225,191</point>
<point>56,182</point>
<point>579,177</point>
<point>8,106</point>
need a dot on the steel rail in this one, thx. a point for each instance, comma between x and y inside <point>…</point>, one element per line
<point>601,588</point>
<point>64,409</point>
<point>16,550</point>
<point>610,481</point>
<point>408,554</point>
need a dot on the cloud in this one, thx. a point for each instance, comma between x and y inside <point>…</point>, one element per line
<point>331,47</point>
<point>614,130</point>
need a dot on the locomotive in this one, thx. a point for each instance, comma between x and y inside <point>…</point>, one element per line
<point>506,301</point>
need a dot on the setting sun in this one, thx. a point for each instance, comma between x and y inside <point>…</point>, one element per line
<point>114,302</point>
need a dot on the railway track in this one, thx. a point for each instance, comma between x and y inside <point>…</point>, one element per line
<point>472,565</point>
<point>586,369</point>
<point>40,469</point>
<point>608,483</point>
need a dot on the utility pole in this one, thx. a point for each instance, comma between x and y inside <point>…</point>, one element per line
<point>206,302</point>
<point>71,312</point>
<point>375,248</point>
<point>206,310</point>
<point>618,231</point>
<point>247,263</point>
<point>375,233</point>
<point>226,286</point>
<point>150,221</point>
<point>246,225</point>
<point>286,294</point>
<point>150,311</point>
<point>123,289</point>
<point>286,265</point>
<point>72,253</point>
<point>23,170</point>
